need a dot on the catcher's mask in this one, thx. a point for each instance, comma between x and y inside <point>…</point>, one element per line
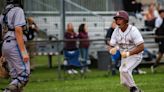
<point>14,2</point>
<point>18,2</point>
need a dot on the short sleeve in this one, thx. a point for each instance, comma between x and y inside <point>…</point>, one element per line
<point>19,18</point>
<point>113,37</point>
<point>137,37</point>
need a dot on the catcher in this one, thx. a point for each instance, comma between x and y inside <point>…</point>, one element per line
<point>13,47</point>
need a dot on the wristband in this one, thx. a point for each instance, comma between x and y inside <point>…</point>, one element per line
<point>24,53</point>
<point>127,54</point>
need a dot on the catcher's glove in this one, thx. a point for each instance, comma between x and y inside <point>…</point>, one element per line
<point>3,69</point>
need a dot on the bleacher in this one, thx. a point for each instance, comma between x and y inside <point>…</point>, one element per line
<point>97,30</point>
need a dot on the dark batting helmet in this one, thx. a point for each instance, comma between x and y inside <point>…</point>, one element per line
<point>122,14</point>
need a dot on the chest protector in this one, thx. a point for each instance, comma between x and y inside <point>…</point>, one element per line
<point>5,28</point>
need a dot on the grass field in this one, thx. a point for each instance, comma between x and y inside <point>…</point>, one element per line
<point>44,79</point>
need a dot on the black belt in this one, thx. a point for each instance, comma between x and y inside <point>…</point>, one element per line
<point>7,38</point>
<point>8,41</point>
<point>11,29</point>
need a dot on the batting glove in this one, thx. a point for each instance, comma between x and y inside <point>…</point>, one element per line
<point>125,54</point>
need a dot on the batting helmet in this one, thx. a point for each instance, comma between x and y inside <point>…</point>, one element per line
<point>122,14</point>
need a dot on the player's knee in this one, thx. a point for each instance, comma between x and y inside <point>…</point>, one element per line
<point>122,71</point>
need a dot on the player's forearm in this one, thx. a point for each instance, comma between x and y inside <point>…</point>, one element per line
<point>110,47</point>
<point>19,38</point>
<point>137,50</point>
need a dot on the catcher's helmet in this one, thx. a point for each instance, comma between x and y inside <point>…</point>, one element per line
<point>122,14</point>
<point>13,1</point>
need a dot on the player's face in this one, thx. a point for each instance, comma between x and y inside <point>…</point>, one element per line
<point>120,21</point>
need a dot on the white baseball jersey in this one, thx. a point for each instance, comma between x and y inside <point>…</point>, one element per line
<point>126,40</point>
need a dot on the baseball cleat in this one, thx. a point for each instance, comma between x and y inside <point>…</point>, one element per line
<point>6,90</point>
<point>135,89</point>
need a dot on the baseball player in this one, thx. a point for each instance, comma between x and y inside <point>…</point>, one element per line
<point>13,48</point>
<point>128,40</point>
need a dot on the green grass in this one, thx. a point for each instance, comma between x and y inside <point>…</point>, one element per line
<point>44,79</point>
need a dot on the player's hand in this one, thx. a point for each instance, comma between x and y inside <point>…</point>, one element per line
<point>125,54</point>
<point>25,56</point>
<point>113,51</point>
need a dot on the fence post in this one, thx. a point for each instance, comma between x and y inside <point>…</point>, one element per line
<point>49,61</point>
<point>62,17</point>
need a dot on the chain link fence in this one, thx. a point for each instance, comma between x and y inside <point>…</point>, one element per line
<point>97,14</point>
<point>47,16</point>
